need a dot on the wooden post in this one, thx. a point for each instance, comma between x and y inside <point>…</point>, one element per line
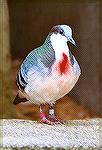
<point>6,107</point>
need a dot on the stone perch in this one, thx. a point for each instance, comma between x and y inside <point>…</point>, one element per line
<point>25,134</point>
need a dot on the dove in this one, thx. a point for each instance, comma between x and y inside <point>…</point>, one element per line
<point>48,73</point>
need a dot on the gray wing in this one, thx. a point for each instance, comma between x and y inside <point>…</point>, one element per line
<point>39,61</point>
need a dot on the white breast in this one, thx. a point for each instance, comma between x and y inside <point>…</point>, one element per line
<point>59,44</point>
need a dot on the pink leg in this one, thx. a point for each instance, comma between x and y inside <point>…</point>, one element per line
<point>43,117</point>
<point>51,119</point>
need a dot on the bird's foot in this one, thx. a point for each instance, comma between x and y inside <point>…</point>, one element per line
<point>46,121</point>
<point>43,118</point>
<point>55,120</point>
<point>51,119</point>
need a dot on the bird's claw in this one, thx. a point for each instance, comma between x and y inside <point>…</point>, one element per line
<point>55,120</point>
<point>46,121</point>
<point>51,120</point>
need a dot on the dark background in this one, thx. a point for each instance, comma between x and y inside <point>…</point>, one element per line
<point>30,22</point>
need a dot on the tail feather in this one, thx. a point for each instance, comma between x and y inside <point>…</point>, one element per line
<point>18,100</point>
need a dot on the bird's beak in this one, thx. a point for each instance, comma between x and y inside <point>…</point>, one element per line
<point>70,39</point>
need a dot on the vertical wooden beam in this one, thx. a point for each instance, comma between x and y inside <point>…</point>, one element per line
<point>6,107</point>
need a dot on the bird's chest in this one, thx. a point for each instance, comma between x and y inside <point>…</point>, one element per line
<point>58,83</point>
<point>62,66</point>
<point>50,89</point>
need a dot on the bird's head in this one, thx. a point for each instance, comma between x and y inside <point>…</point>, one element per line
<point>63,32</point>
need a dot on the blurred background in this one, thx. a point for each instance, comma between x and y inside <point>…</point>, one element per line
<point>24,26</point>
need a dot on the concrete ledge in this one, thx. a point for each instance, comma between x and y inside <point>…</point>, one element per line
<point>26,134</point>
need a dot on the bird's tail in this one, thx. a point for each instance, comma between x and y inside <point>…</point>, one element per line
<point>18,100</point>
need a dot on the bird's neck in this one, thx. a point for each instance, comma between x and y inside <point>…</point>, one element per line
<point>61,52</point>
<point>47,43</point>
<point>60,46</point>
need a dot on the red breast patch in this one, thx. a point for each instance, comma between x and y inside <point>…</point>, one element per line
<point>63,64</point>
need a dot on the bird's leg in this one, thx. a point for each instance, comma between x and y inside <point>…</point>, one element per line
<point>52,117</point>
<point>51,111</point>
<point>43,117</point>
<point>42,114</point>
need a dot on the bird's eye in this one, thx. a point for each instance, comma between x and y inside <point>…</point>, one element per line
<point>61,31</point>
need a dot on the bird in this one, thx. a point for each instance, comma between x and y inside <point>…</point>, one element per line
<point>48,73</point>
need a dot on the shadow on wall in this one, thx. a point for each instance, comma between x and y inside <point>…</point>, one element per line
<point>30,22</point>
